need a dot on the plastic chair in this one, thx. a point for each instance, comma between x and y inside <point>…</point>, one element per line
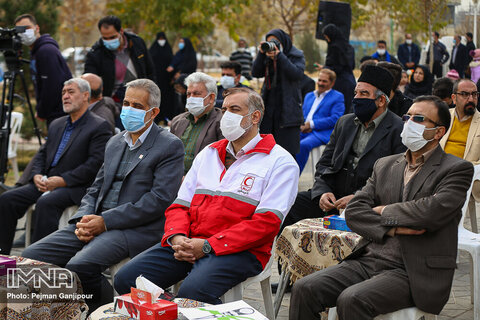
<point>114,269</point>
<point>408,313</point>
<point>315,155</point>
<point>470,242</point>
<point>63,222</point>
<point>236,293</point>
<point>15,126</point>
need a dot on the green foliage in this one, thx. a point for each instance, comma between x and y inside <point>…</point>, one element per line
<point>187,18</point>
<point>311,50</point>
<point>45,11</point>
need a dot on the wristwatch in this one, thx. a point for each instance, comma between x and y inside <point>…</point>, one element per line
<point>207,248</point>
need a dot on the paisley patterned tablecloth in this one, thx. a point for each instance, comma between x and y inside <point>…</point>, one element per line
<point>26,302</point>
<point>106,312</point>
<point>306,247</point>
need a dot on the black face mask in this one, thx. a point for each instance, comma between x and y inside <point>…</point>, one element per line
<point>364,108</point>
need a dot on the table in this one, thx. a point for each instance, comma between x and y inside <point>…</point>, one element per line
<point>24,299</point>
<point>306,247</point>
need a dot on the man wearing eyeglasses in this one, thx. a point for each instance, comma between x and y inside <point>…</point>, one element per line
<point>463,137</point>
<point>407,215</point>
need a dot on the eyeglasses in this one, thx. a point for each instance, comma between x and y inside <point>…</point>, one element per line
<point>465,94</point>
<point>418,118</point>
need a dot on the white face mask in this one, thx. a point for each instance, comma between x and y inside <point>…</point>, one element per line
<point>227,82</point>
<point>231,126</point>
<point>28,37</point>
<point>381,51</point>
<point>408,41</point>
<point>195,105</point>
<point>412,135</point>
<point>162,42</point>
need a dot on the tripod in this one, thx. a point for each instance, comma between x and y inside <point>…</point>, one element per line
<point>6,108</point>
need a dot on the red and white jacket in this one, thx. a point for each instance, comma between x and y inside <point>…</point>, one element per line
<point>237,209</point>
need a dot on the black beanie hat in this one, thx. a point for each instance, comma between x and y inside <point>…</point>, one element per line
<point>378,77</point>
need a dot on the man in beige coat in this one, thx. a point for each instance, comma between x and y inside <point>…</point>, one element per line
<point>200,125</point>
<point>463,137</point>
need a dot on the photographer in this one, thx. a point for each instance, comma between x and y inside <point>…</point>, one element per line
<point>282,65</point>
<point>47,67</point>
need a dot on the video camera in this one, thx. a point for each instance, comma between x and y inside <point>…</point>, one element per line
<point>11,45</point>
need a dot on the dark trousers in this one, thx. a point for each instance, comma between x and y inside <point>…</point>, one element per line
<point>303,208</point>
<point>360,289</point>
<point>48,210</point>
<point>87,260</point>
<point>206,280</point>
<point>437,69</point>
<point>308,141</point>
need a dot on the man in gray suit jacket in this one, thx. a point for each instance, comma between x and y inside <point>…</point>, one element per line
<point>122,213</point>
<point>200,125</point>
<point>407,215</point>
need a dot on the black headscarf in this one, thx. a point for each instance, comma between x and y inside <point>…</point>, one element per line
<point>338,45</point>
<point>185,60</point>
<point>161,56</point>
<point>271,66</point>
<point>415,89</point>
<point>283,37</point>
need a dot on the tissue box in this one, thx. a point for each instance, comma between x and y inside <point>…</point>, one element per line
<point>335,222</point>
<point>160,310</point>
<point>5,264</point>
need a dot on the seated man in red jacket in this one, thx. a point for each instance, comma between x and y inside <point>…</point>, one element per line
<point>220,229</point>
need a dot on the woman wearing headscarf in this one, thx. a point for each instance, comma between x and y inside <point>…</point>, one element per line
<point>420,83</point>
<point>341,59</point>
<point>185,60</point>
<point>282,66</point>
<point>162,55</point>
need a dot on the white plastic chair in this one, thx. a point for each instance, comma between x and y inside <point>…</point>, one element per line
<point>15,126</point>
<point>114,269</point>
<point>236,293</point>
<point>470,242</point>
<point>63,222</point>
<point>315,155</point>
<point>403,314</point>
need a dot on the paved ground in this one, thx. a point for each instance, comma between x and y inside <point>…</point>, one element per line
<point>458,307</point>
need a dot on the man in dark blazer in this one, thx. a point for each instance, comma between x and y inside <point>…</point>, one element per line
<point>357,141</point>
<point>103,107</point>
<point>408,53</point>
<point>200,125</point>
<point>459,57</point>
<point>407,215</point>
<point>62,170</point>
<point>122,213</point>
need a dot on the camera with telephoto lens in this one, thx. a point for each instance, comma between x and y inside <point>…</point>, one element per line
<point>269,46</point>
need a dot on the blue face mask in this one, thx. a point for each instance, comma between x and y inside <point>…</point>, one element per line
<point>112,44</point>
<point>181,45</point>
<point>133,119</point>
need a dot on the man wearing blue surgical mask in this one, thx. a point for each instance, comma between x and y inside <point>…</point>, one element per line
<point>200,124</point>
<point>122,213</point>
<point>118,57</point>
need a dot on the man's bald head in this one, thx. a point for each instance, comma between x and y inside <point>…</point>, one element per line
<point>96,86</point>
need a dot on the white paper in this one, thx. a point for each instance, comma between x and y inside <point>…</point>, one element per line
<point>144,284</point>
<point>236,310</point>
